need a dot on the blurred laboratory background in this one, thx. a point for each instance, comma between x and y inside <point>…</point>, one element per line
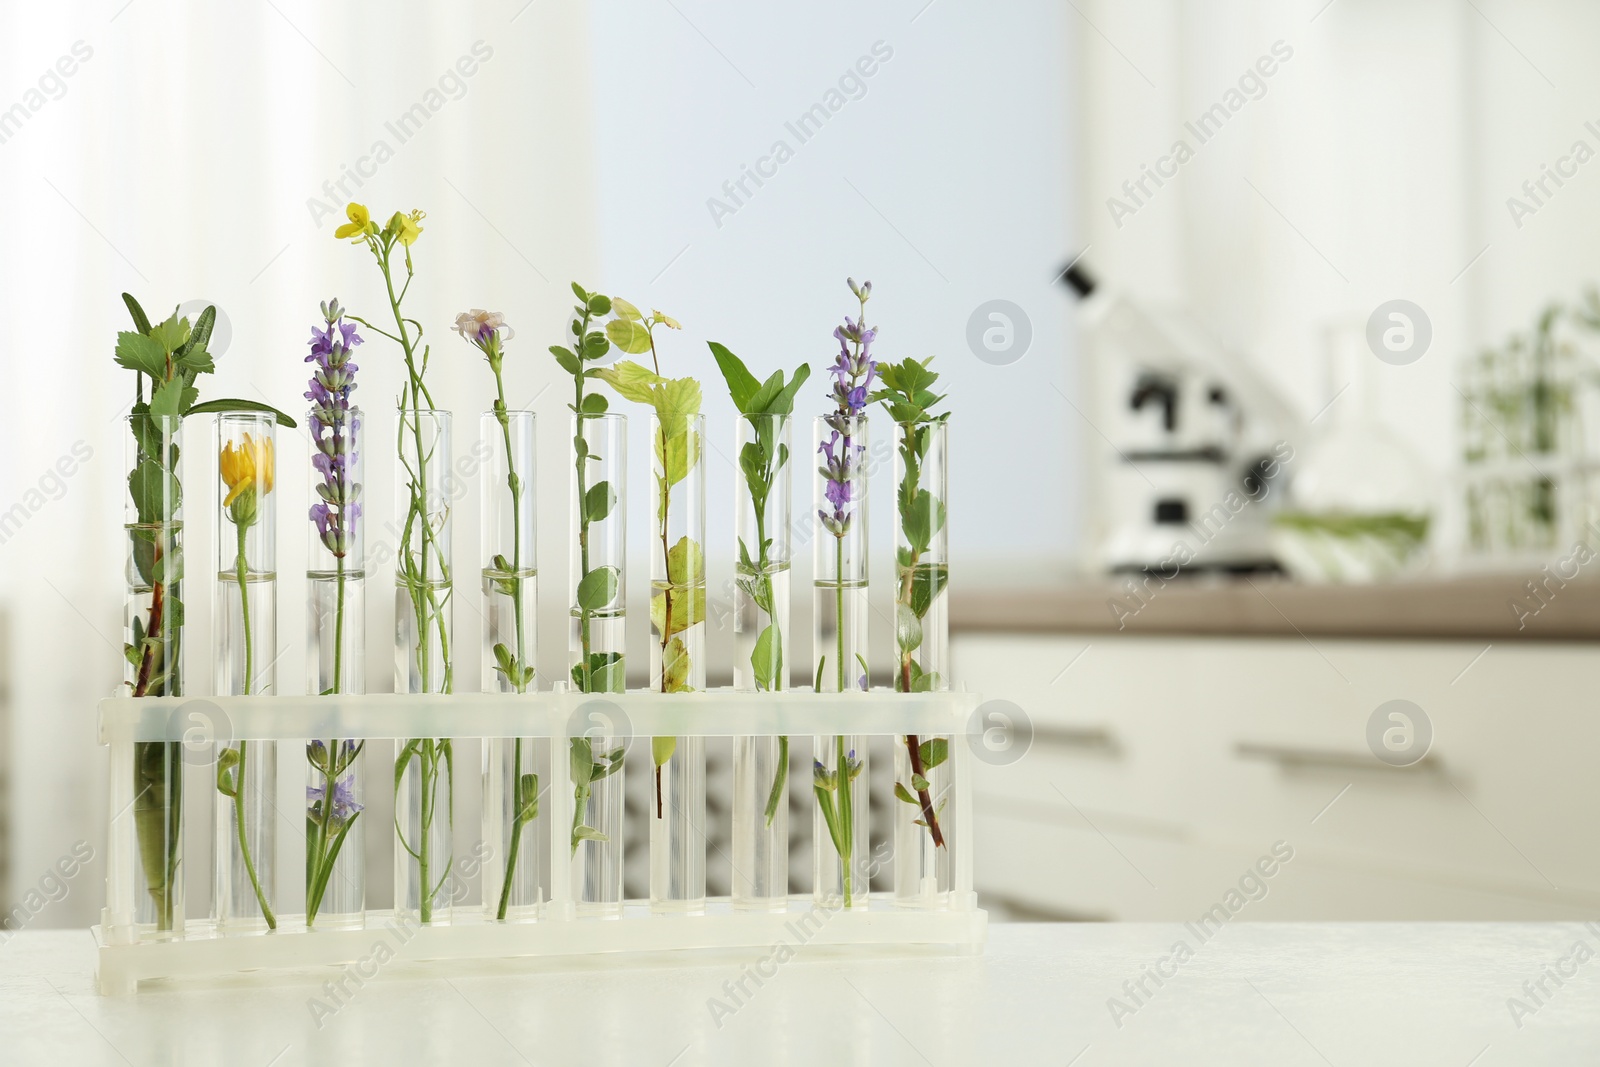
<point>1269,331</point>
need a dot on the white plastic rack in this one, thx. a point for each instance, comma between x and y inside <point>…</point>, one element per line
<point>129,954</point>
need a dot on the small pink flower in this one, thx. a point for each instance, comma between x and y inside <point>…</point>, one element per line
<point>480,326</point>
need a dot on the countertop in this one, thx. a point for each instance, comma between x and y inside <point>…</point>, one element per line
<point>1490,607</point>
<point>1264,993</point>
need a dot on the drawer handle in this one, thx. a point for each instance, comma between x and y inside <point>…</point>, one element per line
<point>1292,758</point>
<point>1096,739</point>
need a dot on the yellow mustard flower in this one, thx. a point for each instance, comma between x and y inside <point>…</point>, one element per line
<point>246,467</point>
<point>407,228</point>
<point>359,218</point>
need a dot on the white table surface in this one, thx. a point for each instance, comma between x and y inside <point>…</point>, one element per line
<point>1279,994</point>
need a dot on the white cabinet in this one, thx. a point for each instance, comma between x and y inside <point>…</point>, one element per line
<point>1163,767</point>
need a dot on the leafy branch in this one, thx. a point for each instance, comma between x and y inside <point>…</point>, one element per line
<point>907,395</point>
<point>766,406</point>
<point>169,356</point>
<point>596,671</point>
<point>679,602</point>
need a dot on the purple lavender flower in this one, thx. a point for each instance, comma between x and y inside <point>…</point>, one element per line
<point>838,493</point>
<point>334,425</point>
<point>853,372</point>
<point>345,805</point>
<point>343,754</point>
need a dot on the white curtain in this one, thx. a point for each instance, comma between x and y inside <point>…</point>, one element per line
<point>181,160</point>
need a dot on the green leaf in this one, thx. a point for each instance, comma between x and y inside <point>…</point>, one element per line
<point>675,608</point>
<point>742,385</point>
<point>587,833</point>
<point>662,748</point>
<point>630,335</point>
<point>686,563</point>
<point>595,404</point>
<point>927,682</point>
<point>753,465</point>
<point>908,377</point>
<point>200,336</point>
<point>171,335</point>
<point>675,667</point>
<point>168,569</point>
<point>332,854</point>
<point>677,450</point>
<point>631,380</point>
<point>195,360</point>
<point>173,397</point>
<point>907,628</point>
<point>141,321</point>
<point>766,659</point>
<point>597,589</point>
<point>927,582</point>
<point>625,309</point>
<point>933,752</point>
<point>919,783</point>
<point>566,359</point>
<point>599,304</point>
<point>679,397</point>
<point>921,519</point>
<point>901,412</point>
<point>606,672</point>
<point>581,293</point>
<point>783,403</point>
<point>156,494</point>
<point>143,546</point>
<point>759,590</point>
<point>908,667</point>
<point>769,392</point>
<point>137,352</point>
<point>581,762</point>
<point>904,794</point>
<point>779,780</point>
<point>598,501</point>
<point>242,405</point>
<point>658,612</point>
<point>907,394</point>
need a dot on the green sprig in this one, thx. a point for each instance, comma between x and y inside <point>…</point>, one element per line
<point>680,602</point>
<point>908,397</point>
<point>169,356</point>
<point>766,406</point>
